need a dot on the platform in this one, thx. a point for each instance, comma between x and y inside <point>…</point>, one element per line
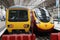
<point>57,25</point>
<point>2,27</point>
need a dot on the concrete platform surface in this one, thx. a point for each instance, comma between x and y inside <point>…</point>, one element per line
<point>2,27</point>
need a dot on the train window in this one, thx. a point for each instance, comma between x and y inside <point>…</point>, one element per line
<point>37,13</point>
<point>45,16</point>
<point>45,12</point>
<point>42,15</point>
<point>18,15</point>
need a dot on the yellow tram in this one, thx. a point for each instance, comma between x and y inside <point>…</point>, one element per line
<point>43,19</point>
<point>18,18</point>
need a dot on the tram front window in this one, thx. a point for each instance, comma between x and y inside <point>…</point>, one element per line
<point>43,15</point>
<point>18,15</point>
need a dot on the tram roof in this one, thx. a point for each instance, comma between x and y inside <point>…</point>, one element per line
<point>19,7</point>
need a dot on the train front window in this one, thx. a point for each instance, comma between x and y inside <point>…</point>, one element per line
<point>18,15</point>
<point>43,15</point>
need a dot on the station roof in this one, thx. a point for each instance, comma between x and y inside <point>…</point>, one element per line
<point>27,3</point>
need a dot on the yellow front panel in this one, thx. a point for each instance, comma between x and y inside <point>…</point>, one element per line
<point>45,26</point>
<point>17,25</point>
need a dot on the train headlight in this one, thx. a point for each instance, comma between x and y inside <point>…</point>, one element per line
<point>26,25</point>
<point>37,21</point>
<point>10,26</point>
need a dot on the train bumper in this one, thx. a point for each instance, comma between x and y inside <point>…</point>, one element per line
<point>45,27</point>
<point>10,30</point>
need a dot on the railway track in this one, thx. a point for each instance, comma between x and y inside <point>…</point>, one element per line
<point>43,38</point>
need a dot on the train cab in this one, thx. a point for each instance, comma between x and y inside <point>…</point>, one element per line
<point>18,19</point>
<point>43,19</point>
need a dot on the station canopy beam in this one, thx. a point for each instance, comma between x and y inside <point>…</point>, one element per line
<point>7,3</point>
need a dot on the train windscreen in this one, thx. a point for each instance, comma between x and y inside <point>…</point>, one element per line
<point>18,15</point>
<point>42,15</point>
